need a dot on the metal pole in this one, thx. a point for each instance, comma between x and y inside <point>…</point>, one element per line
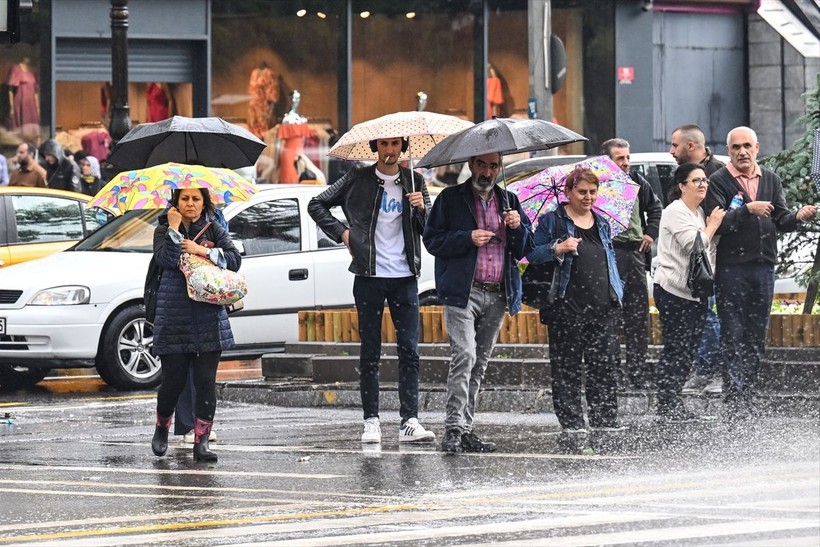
<point>120,111</point>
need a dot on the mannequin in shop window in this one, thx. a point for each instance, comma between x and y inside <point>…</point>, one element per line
<point>160,102</point>
<point>24,97</point>
<point>263,92</point>
<point>292,132</point>
<point>421,101</point>
<point>495,96</point>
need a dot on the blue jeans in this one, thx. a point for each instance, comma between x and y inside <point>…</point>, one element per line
<point>744,299</point>
<point>681,326</point>
<point>708,361</point>
<point>402,297</point>
<point>473,332</point>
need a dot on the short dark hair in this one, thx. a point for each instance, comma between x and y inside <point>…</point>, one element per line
<point>207,202</point>
<point>692,133</point>
<point>607,146</point>
<point>680,176</point>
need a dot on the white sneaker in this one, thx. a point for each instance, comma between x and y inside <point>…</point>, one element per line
<point>188,438</point>
<point>413,432</point>
<point>372,431</point>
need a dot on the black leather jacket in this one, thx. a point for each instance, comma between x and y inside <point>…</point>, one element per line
<point>359,193</point>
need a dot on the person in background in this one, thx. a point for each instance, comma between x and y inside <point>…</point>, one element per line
<point>756,210</point>
<point>189,335</point>
<point>90,183</point>
<point>4,171</point>
<point>477,231</point>
<point>28,172</point>
<point>633,252</point>
<point>581,322</point>
<point>682,315</point>
<point>688,145</point>
<point>386,207</point>
<point>61,171</point>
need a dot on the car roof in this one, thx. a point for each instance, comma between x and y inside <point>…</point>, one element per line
<point>34,191</point>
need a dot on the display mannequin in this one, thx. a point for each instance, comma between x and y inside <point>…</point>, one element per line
<point>160,102</point>
<point>292,133</point>
<point>421,100</point>
<point>24,96</point>
<point>263,91</point>
<point>495,97</point>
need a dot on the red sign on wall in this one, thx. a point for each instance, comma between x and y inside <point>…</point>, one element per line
<point>626,74</point>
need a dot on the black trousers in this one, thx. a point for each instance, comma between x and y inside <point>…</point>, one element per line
<point>573,341</point>
<point>175,374</point>
<point>634,318</point>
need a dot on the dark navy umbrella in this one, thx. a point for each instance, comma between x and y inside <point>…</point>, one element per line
<point>211,142</point>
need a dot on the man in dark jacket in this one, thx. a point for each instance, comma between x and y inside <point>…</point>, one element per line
<point>386,208</point>
<point>477,232</point>
<point>689,146</point>
<point>61,172</point>
<point>746,256</point>
<point>633,254</point>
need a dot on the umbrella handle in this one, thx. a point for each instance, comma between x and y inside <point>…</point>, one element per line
<point>412,178</point>
<point>505,205</point>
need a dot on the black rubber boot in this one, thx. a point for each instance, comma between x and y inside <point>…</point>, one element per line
<point>159,444</point>
<point>202,453</point>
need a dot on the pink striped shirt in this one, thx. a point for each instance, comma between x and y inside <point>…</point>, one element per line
<point>490,264</point>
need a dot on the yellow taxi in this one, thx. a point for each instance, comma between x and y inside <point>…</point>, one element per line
<point>35,222</point>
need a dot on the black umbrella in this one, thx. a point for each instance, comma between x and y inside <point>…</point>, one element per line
<point>211,142</point>
<point>504,135</point>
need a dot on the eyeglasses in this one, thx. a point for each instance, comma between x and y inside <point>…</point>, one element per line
<point>700,181</point>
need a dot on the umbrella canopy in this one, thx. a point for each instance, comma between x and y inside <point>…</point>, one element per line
<point>617,192</point>
<point>151,188</point>
<point>424,130</point>
<point>504,135</point>
<point>206,141</point>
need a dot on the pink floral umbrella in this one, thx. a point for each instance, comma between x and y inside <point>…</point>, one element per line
<point>151,188</point>
<point>543,191</point>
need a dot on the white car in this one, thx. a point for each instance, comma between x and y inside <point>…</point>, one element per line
<point>83,307</point>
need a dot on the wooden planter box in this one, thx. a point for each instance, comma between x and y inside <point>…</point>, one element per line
<point>524,328</point>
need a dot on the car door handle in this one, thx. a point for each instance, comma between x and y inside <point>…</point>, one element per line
<point>299,274</point>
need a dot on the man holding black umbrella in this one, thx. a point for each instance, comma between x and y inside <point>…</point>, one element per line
<point>386,208</point>
<point>477,232</point>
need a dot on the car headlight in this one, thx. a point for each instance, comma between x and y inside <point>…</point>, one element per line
<point>69,295</point>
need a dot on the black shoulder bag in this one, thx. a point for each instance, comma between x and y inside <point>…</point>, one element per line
<point>539,283</point>
<point>701,278</point>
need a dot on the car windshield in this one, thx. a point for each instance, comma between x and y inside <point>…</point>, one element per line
<point>132,232</point>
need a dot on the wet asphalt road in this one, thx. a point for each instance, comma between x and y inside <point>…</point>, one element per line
<point>76,468</point>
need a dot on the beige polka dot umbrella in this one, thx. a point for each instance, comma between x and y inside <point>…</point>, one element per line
<point>424,129</point>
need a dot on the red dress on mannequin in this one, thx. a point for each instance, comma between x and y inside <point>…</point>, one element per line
<point>293,143</point>
<point>157,103</point>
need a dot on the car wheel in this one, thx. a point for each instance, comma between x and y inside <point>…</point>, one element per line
<point>124,360</point>
<point>17,377</point>
<point>429,299</point>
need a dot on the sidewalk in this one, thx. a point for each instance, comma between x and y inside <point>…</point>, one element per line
<point>517,380</point>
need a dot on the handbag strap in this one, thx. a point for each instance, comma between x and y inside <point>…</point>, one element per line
<point>202,231</point>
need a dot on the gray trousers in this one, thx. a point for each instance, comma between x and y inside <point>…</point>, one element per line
<point>473,332</point>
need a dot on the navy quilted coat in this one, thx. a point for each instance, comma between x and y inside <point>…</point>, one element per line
<point>183,325</point>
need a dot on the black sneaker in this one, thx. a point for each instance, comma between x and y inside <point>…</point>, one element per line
<point>452,441</point>
<point>470,442</point>
<point>574,441</point>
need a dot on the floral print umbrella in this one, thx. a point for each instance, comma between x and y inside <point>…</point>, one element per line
<point>151,188</point>
<point>617,192</point>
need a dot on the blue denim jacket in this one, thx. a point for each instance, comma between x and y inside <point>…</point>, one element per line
<point>546,238</point>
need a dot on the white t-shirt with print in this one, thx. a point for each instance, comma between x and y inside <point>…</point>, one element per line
<point>391,260</point>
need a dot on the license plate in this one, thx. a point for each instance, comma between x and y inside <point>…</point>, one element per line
<point>2,325</point>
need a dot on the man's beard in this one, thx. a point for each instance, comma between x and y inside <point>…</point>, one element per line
<point>483,184</point>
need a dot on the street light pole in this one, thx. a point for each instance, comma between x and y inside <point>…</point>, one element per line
<point>120,111</point>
